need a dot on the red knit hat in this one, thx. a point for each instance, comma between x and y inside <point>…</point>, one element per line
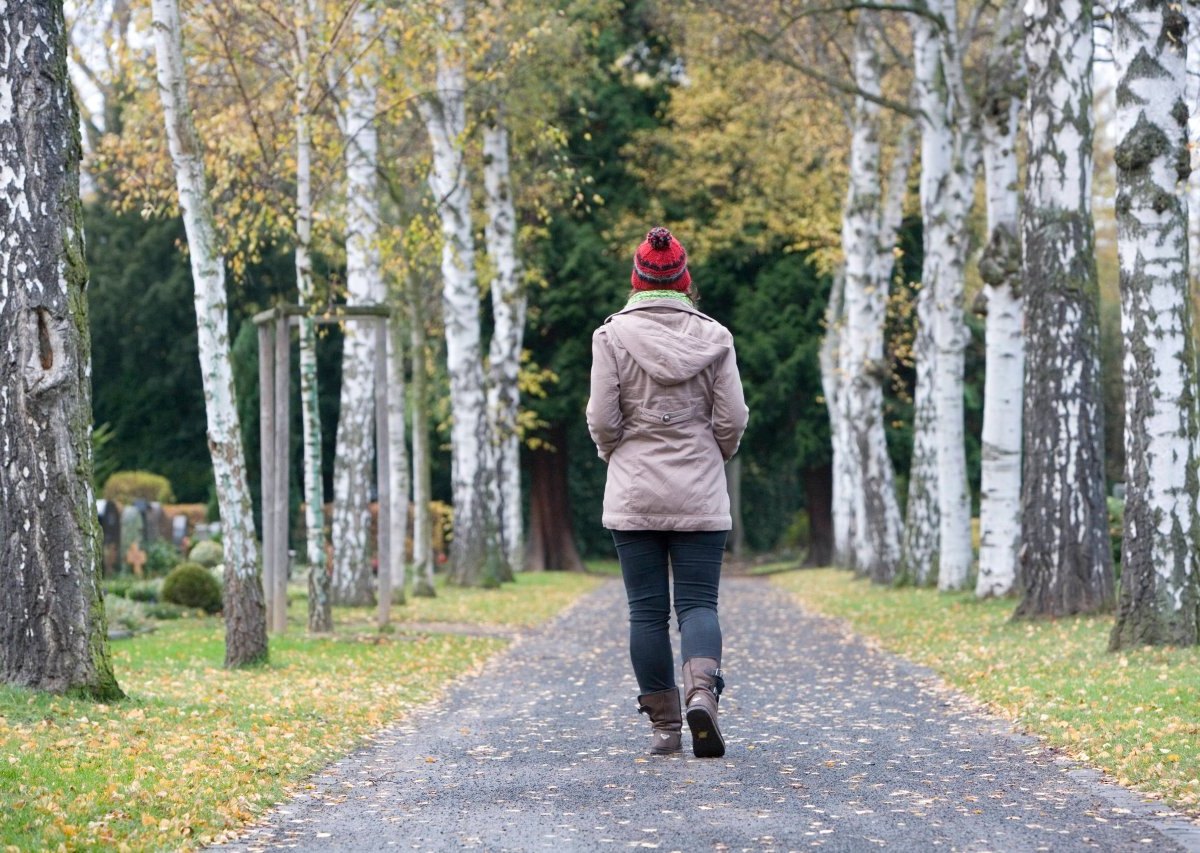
<point>660,263</point>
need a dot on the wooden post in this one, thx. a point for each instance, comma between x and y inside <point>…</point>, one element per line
<point>266,446</point>
<point>382,470</point>
<point>280,513</point>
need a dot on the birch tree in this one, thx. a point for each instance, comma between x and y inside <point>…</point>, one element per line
<point>1000,269</point>
<point>320,618</point>
<point>948,162</point>
<point>1066,559</point>
<point>444,115</point>
<point>245,609</point>
<point>53,633</point>
<point>832,387</point>
<point>100,64</point>
<point>508,331</point>
<point>868,236</point>
<point>1160,574</point>
<point>919,549</point>
<point>398,473</point>
<point>422,487</point>
<point>352,579</point>
<point>1192,97</point>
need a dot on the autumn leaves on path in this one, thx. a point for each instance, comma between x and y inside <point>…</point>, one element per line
<point>832,745</point>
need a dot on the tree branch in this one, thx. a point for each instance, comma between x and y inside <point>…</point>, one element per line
<point>833,82</point>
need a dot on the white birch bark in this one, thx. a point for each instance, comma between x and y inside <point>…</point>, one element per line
<point>1192,99</point>
<point>1000,269</point>
<point>919,550</point>
<point>352,579</point>
<point>876,525</point>
<point>947,192</point>
<point>1160,576</point>
<point>398,473</point>
<point>245,608</point>
<point>504,354</point>
<point>842,502</point>
<point>422,480</point>
<point>319,616</point>
<point>1065,562</point>
<point>444,115</point>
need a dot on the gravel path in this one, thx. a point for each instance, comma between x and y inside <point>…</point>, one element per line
<point>832,745</point>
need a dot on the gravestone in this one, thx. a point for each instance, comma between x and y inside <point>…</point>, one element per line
<point>132,527</point>
<point>179,530</point>
<point>156,523</point>
<point>110,527</point>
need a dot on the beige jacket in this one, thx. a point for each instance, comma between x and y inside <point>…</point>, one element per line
<point>666,412</point>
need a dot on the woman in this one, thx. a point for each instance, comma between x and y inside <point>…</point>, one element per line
<point>666,412</point>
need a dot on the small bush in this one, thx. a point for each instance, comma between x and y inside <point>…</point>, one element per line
<point>123,613</point>
<point>146,592</point>
<point>161,557</point>
<point>117,587</point>
<point>1116,530</point>
<point>191,585</point>
<point>164,611</point>
<point>207,553</point>
<point>125,487</point>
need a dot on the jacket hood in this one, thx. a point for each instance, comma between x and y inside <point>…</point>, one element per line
<point>668,356</point>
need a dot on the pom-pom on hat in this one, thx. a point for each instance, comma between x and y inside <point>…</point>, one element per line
<point>660,263</point>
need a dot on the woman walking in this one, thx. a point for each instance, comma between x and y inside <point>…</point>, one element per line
<point>666,412</point>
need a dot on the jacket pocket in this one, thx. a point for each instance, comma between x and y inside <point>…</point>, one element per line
<point>676,416</point>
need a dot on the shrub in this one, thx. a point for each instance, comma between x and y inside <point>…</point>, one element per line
<point>125,487</point>
<point>161,557</point>
<point>123,613</point>
<point>117,587</point>
<point>207,553</point>
<point>191,585</point>
<point>146,592</point>
<point>164,611</point>
<point>1116,530</point>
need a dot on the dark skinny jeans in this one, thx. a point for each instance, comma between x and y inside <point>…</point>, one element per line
<point>695,561</point>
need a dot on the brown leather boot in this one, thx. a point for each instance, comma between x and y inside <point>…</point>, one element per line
<point>702,686</point>
<point>663,709</point>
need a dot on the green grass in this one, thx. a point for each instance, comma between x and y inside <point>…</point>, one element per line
<point>1134,714</point>
<point>197,750</point>
<point>604,567</point>
<point>530,600</point>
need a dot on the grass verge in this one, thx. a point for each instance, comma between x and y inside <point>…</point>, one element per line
<point>1133,714</point>
<point>197,751</point>
<point>533,598</point>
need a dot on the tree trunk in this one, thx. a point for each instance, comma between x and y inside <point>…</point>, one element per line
<point>551,538</point>
<point>947,192</point>
<point>508,312</point>
<point>398,473</point>
<point>842,484</point>
<point>1160,577</point>
<point>53,633</point>
<point>876,525</point>
<point>422,480</point>
<point>245,608</point>
<point>353,582</point>
<point>1192,96</point>
<point>737,530</point>
<point>921,525</point>
<point>320,616</point>
<point>444,114</point>
<point>1000,269</point>
<point>1066,559</point>
<point>818,497</point>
